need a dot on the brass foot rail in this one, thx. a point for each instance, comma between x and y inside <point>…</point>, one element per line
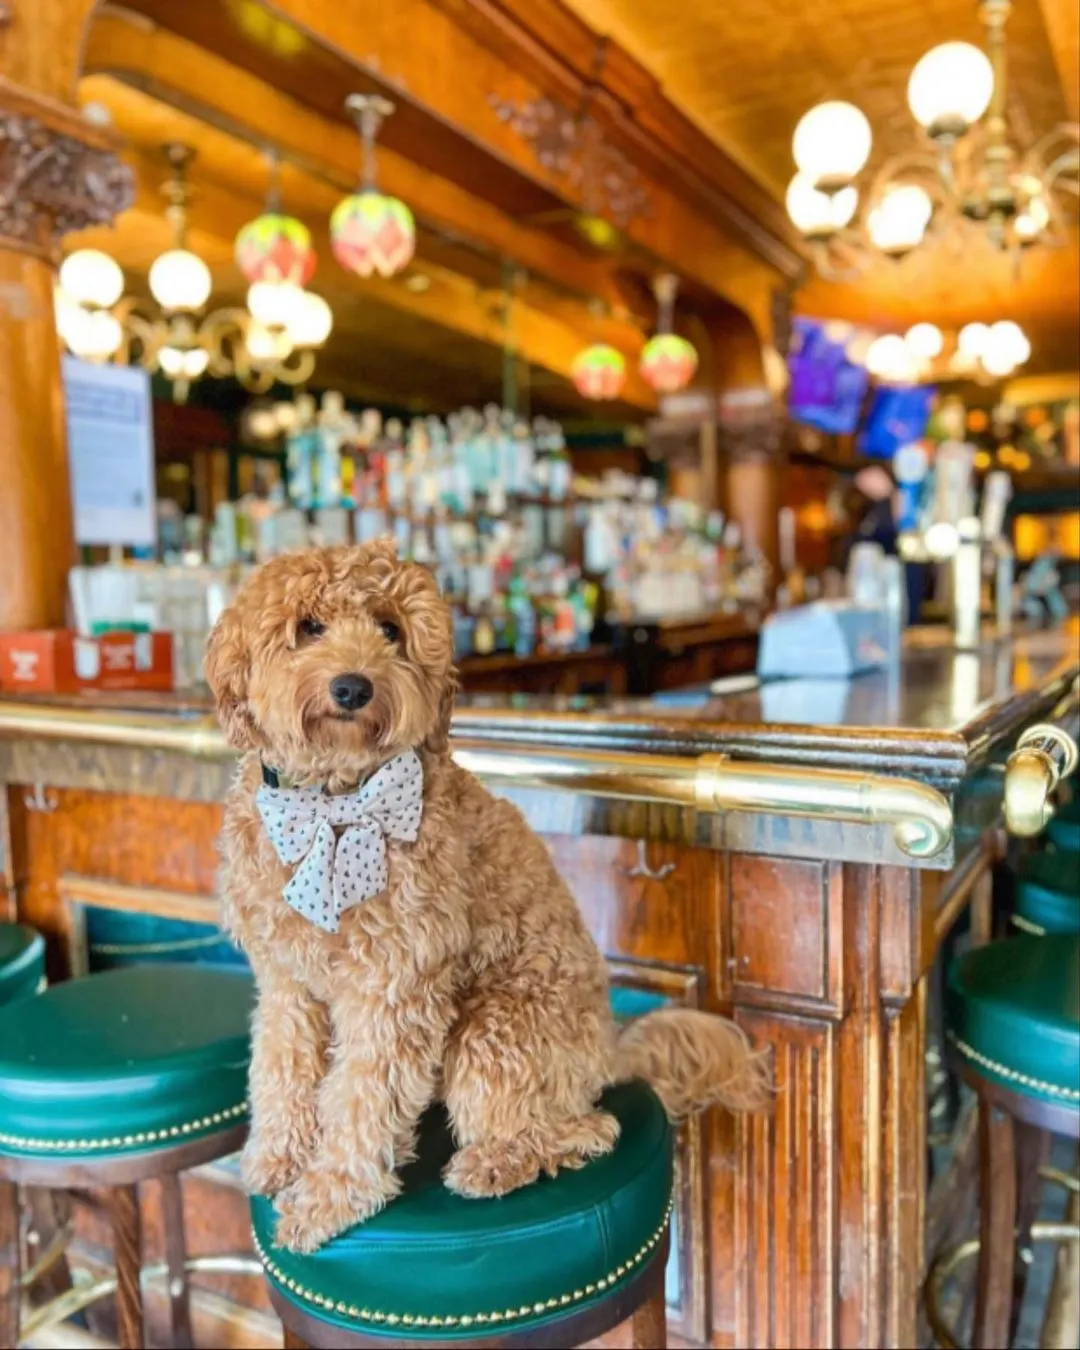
<point>920,816</point>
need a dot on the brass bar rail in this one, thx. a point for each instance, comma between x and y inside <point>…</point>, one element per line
<point>1044,755</point>
<point>920,816</point>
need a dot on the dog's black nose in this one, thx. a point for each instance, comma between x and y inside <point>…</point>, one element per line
<point>351,691</point>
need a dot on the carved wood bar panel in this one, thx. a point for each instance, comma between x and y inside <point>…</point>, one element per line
<point>801,1228</point>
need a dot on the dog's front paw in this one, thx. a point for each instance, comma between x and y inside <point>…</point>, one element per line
<point>492,1167</point>
<point>265,1171</point>
<point>322,1204</point>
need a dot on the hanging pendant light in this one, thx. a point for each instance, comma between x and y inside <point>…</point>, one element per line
<point>275,247</point>
<point>369,231</point>
<point>599,372</point>
<point>179,280</point>
<point>668,362</point>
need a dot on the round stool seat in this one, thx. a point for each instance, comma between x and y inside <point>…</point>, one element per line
<point>1013,1015</point>
<point>1048,893</point>
<point>22,961</point>
<point>1064,833</point>
<point>434,1264</point>
<point>128,1060</point>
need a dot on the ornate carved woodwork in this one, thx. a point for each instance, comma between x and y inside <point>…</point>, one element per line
<point>51,182</point>
<point>574,146</point>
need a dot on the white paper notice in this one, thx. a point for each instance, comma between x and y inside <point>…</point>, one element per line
<point>110,436</point>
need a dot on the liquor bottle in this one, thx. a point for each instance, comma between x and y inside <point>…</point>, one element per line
<point>302,448</point>
<point>521,608</point>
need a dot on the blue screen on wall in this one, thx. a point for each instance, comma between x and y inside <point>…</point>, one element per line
<point>896,417</point>
<point>826,389</point>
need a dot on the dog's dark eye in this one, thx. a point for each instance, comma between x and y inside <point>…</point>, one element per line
<point>390,631</point>
<point>310,628</point>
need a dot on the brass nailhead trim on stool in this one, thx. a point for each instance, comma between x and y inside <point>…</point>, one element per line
<point>465,1320</point>
<point>1026,926</point>
<point>1005,1072</point>
<point>128,1140</point>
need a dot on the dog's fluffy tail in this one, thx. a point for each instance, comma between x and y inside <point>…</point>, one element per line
<point>694,1059</point>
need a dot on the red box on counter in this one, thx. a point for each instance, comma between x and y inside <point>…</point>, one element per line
<point>59,661</point>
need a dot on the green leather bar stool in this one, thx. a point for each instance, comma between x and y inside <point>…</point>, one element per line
<point>556,1263</point>
<point>22,962</point>
<point>107,1081</point>
<point>1013,1028</point>
<point>1064,829</point>
<point>1047,898</point>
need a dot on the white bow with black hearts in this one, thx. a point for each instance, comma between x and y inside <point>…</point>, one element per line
<point>336,871</point>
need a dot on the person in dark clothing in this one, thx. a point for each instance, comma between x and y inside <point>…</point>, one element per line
<point>869,506</point>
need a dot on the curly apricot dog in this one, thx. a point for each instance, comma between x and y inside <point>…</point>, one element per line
<point>469,977</point>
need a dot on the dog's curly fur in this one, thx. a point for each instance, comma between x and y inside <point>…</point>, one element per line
<point>471,978</point>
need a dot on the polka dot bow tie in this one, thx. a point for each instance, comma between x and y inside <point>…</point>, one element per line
<point>336,871</point>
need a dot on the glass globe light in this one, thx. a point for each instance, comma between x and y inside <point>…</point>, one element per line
<point>92,278</point>
<point>171,361</point>
<point>95,336</point>
<point>1007,341</point>
<point>68,312</point>
<point>889,358</point>
<point>266,345</point>
<point>973,338</point>
<point>997,360</point>
<point>831,143</point>
<point>950,89</point>
<point>179,280</point>
<point>275,304</point>
<point>897,224</point>
<point>310,325</point>
<point>924,341</point>
<point>819,214</point>
<point>196,359</point>
<point>1026,227</point>
<point>183,363</point>
<point>1039,210</point>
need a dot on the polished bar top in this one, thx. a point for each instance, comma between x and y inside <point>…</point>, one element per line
<point>936,717</point>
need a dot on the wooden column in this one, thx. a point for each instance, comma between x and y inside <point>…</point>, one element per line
<point>749,440</point>
<point>57,174</point>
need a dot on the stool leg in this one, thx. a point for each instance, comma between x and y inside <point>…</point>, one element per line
<point>649,1322</point>
<point>293,1342</point>
<point>1032,1152</point>
<point>123,1202</point>
<point>9,1263</point>
<point>997,1226</point>
<point>172,1213</point>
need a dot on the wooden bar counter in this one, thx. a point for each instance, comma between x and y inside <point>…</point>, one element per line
<point>792,854</point>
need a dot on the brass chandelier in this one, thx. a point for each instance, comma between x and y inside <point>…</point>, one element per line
<point>273,340</point>
<point>968,179</point>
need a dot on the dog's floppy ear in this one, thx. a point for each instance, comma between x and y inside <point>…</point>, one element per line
<point>438,738</point>
<point>227,666</point>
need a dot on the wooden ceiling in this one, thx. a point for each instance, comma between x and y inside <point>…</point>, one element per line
<point>745,73</point>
